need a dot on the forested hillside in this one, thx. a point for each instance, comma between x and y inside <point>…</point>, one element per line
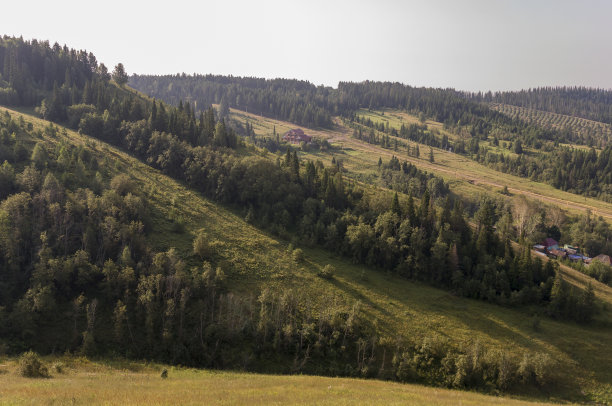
<point>586,132</point>
<point>76,247</point>
<point>293,100</point>
<point>427,240</point>
<point>466,115</point>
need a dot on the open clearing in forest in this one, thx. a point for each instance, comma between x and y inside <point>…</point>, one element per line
<point>467,177</point>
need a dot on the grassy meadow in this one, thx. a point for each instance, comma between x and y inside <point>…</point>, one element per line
<point>85,382</point>
<point>466,177</point>
<point>397,307</point>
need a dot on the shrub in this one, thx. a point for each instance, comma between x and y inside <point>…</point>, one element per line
<point>298,255</point>
<point>327,272</point>
<point>201,247</point>
<point>537,369</point>
<point>544,368</point>
<point>58,367</point>
<point>30,366</point>
<point>122,184</point>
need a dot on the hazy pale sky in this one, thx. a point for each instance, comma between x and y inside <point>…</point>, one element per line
<point>468,45</point>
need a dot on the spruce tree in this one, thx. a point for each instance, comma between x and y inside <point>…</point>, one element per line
<point>395,206</point>
<point>120,76</point>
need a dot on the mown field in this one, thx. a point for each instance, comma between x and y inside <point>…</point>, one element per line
<point>84,382</point>
<point>399,308</point>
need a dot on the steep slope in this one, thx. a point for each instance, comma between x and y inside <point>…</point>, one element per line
<point>398,309</point>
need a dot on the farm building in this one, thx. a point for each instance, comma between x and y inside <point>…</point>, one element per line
<point>575,258</point>
<point>604,259</point>
<point>550,244</point>
<point>296,136</point>
<point>556,253</point>
<point>570,248</point>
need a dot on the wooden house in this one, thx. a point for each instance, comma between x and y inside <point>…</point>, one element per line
<point>296,136</point>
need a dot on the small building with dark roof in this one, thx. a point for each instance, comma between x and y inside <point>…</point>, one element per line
<point>555,253</point>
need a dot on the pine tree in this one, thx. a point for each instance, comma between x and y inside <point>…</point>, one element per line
<point>410,214</point>
<point>295,167</point>
<point>395,206</point>
<point>120,76</point>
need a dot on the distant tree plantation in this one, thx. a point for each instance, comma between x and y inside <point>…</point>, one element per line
<point>589,103</point>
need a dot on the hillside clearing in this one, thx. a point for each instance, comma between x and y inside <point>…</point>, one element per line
<point>468,178</point>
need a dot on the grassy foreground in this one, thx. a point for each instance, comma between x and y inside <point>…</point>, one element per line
<point>84,382</point>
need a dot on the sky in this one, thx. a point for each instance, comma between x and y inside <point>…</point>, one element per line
<point>474,45</point>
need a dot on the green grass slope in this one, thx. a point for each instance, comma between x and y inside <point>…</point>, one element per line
<point>399,308</point>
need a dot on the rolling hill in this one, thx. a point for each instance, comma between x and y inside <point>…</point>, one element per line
<point>467,177</point>
<point>132,229</point>
<point>400,309</point>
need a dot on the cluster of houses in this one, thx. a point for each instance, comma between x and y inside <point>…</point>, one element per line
<point>551,248</point>
<point>296,136</point>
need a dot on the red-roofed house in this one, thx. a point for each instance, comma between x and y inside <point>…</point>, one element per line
<point>550,244</point>
<point>296,136</point>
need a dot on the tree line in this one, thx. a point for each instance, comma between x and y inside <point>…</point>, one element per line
<point>292,100</point>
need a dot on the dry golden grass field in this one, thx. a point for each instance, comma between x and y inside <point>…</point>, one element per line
<point>84,382</point>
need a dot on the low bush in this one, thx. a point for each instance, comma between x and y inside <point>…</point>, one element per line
<point>30,366</point>
<point>298,255</point>
<point>327,272</point>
